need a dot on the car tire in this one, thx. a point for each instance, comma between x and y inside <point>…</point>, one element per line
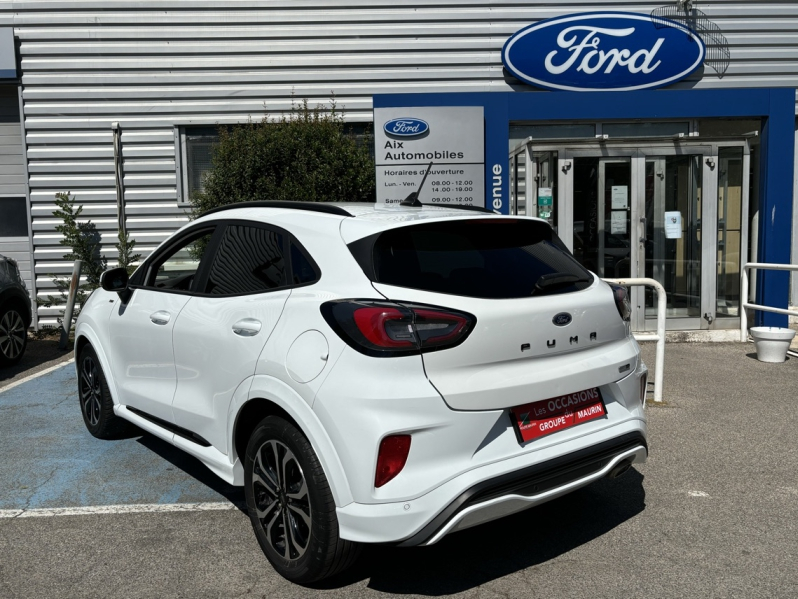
<point>286,491</point>
<point>96,404</point>
<point>13,334</point>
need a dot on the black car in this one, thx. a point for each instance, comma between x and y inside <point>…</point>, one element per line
<point>15,313</point>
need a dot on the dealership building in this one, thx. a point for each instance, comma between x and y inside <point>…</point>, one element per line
<point>659,138</point>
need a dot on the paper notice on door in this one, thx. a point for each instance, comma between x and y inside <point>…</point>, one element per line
<point>618,222</point>
<point>545,197</point>
<point>673,225</point>
<point>620,197</point>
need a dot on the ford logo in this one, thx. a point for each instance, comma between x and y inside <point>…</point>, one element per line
<point>607,51</point>
<point>562,319</point>
<point>406,127</point>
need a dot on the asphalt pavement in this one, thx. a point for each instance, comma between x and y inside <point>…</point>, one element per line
<point>713,513</point>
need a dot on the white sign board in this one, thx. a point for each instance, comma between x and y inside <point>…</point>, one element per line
<point>618,222</point>
<point>452,138</point>
<point>620,197</point>
<point>673,225</point>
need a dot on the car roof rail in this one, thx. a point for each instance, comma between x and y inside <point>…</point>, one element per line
<point>309,206</point>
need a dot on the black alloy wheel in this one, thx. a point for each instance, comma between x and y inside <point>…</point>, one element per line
<point>282,504</point>
<point>96,403</point>
<point>13,336</point>
<point>91,391</point>
<point>290,505</point>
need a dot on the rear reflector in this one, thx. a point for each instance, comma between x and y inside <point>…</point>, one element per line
<point>392,458</point>
<point>384,329</point>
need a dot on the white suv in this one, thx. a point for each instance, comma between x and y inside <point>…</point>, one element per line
<point>369,374</point>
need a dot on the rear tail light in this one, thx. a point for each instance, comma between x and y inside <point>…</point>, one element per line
<point>622,302</point>
<point>392,329</point>
<point>391,458</point>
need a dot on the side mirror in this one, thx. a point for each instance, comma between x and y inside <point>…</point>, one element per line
<point>116,280</point>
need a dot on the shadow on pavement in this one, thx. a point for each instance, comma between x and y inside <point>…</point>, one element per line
<point>39,354</point>
<point>194,468</point>
<point>753,357</point>
<point>474,557</point>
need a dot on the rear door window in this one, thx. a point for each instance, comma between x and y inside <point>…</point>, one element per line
<point>486,258</point>
<point>248,259</point>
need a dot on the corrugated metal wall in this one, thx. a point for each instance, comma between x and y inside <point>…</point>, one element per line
<point>150,65</point>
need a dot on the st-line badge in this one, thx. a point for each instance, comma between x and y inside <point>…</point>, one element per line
<point>603,51</point>
<point>406,127</point>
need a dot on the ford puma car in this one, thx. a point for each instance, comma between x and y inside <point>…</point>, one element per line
<point>368,374</point>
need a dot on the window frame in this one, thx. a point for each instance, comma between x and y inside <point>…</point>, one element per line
<point>200,281</point>
<point>149,268</point>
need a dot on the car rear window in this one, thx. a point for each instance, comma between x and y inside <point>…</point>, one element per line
<point>486,258</point>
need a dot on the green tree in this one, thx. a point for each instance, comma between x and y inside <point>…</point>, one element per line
<point>84,243</point>
<point>306,155</point>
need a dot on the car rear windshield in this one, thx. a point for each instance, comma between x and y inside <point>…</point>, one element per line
<point>497,258</point>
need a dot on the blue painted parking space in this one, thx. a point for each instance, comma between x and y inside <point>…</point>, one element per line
<point>51,461</point>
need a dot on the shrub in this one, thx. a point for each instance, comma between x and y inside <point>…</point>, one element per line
<point>306,155</point>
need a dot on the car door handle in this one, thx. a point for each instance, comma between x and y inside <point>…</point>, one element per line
<point>160,317</point>
<point>247,327</point>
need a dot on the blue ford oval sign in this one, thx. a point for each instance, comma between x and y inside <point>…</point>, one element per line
<point>607,51</point>
<point>561,319</point>
<point>406,127</point>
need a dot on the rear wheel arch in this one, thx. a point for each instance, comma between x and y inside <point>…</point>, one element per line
<point>256,409</point>
<point>19,303</point>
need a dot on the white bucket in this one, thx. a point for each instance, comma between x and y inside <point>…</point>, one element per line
<point>771,343</point>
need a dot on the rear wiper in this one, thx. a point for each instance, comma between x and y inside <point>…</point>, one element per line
<point>558,279</point>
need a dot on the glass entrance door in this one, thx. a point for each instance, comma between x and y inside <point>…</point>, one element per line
<point>638,212</point>
<point>672,251</point>
<point>602,214</point>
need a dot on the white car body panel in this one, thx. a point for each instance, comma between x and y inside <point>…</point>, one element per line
<point>142,356</point>
<point>211,359</point>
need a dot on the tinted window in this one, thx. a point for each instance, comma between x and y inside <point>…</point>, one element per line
<point>248,260</point>
<point>496,258</point>
<point>302,267</point>
<point>178,269</point>
<point>14,221</point>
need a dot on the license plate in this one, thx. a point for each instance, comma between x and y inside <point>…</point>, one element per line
<point>541,418</point>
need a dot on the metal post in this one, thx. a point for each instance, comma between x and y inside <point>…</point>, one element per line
<point>119,178</point>
<point>662,302</point>
<point>744,304</point>
<point>66,326</point>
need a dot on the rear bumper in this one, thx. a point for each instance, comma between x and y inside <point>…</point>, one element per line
<point>517,491</point>
<point>493,491</point>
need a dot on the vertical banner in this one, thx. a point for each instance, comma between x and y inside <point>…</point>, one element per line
<point>452,138</point>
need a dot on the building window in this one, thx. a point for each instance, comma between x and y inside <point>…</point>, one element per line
<point>13,217</point>
<point>196,150</point>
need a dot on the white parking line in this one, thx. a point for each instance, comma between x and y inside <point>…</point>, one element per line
<point>142,508</point>
<point>36,375</point>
